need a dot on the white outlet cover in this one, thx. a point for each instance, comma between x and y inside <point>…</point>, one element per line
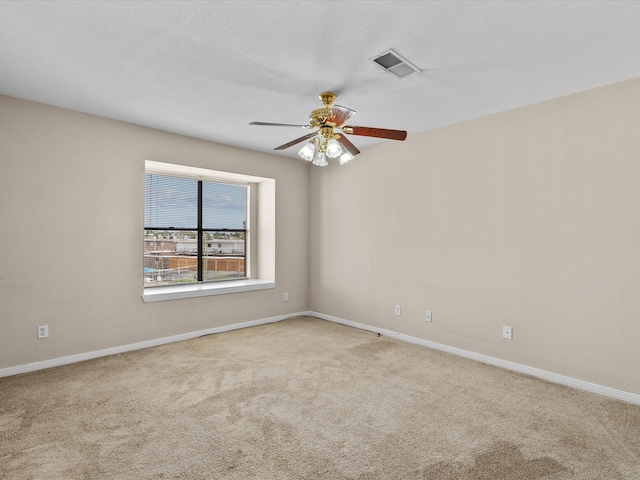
<point>507,332</point>
<point>43,331</point>
<point>427,316</point>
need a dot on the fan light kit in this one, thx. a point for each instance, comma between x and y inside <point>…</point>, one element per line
<point>325,142</point>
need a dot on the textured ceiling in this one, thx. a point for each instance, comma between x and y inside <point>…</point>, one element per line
<point>207,69</point>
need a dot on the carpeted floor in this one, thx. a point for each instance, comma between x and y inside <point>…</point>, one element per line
<point>306,399</point>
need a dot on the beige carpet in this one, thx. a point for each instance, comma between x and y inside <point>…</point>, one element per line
<point>306,399</point>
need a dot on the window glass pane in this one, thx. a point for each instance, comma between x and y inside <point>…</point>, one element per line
<point>170,202</point>
<point>224,206</point>
<point>223,256</point>
<point>170,257</point>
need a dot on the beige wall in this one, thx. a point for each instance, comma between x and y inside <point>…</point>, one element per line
<point>71,187</point>
<point>529,218</point>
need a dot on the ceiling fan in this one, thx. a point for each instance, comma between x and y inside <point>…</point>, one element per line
<point>327,141</point>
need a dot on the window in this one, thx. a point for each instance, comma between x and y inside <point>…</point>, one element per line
<point>181,217</point>
<point>204,233</point>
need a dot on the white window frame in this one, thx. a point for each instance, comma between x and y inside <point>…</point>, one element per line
<point>260,254</point>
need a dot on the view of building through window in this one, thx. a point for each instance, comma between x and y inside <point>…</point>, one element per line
<point>195,231</point>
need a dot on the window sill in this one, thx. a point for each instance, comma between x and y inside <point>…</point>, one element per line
<point>175,292</point>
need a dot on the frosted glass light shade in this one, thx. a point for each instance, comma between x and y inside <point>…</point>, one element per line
<point>320,160</point>
<point>306,152</point>
<point>333,148</point>
<point>345,157</point>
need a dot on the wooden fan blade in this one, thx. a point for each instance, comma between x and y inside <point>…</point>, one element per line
<point>279,124</point>
<point>297,140</point>
<point>339,115</point>
<point>346,143</point>
<point>376,132</point>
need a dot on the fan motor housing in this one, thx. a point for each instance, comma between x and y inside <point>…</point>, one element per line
<point>318,117</point>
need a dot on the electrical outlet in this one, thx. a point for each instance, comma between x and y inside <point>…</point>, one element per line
<point>285,297</point>
<point>507,332</point>
<point>43,331</point>
<point>427,316</point>
<point>398,310</point>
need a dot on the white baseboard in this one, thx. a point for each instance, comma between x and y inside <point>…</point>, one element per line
<point>516,367</point>
<point>55,362</point>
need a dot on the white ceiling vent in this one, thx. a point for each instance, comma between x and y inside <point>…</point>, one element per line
<point>393,63</point>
